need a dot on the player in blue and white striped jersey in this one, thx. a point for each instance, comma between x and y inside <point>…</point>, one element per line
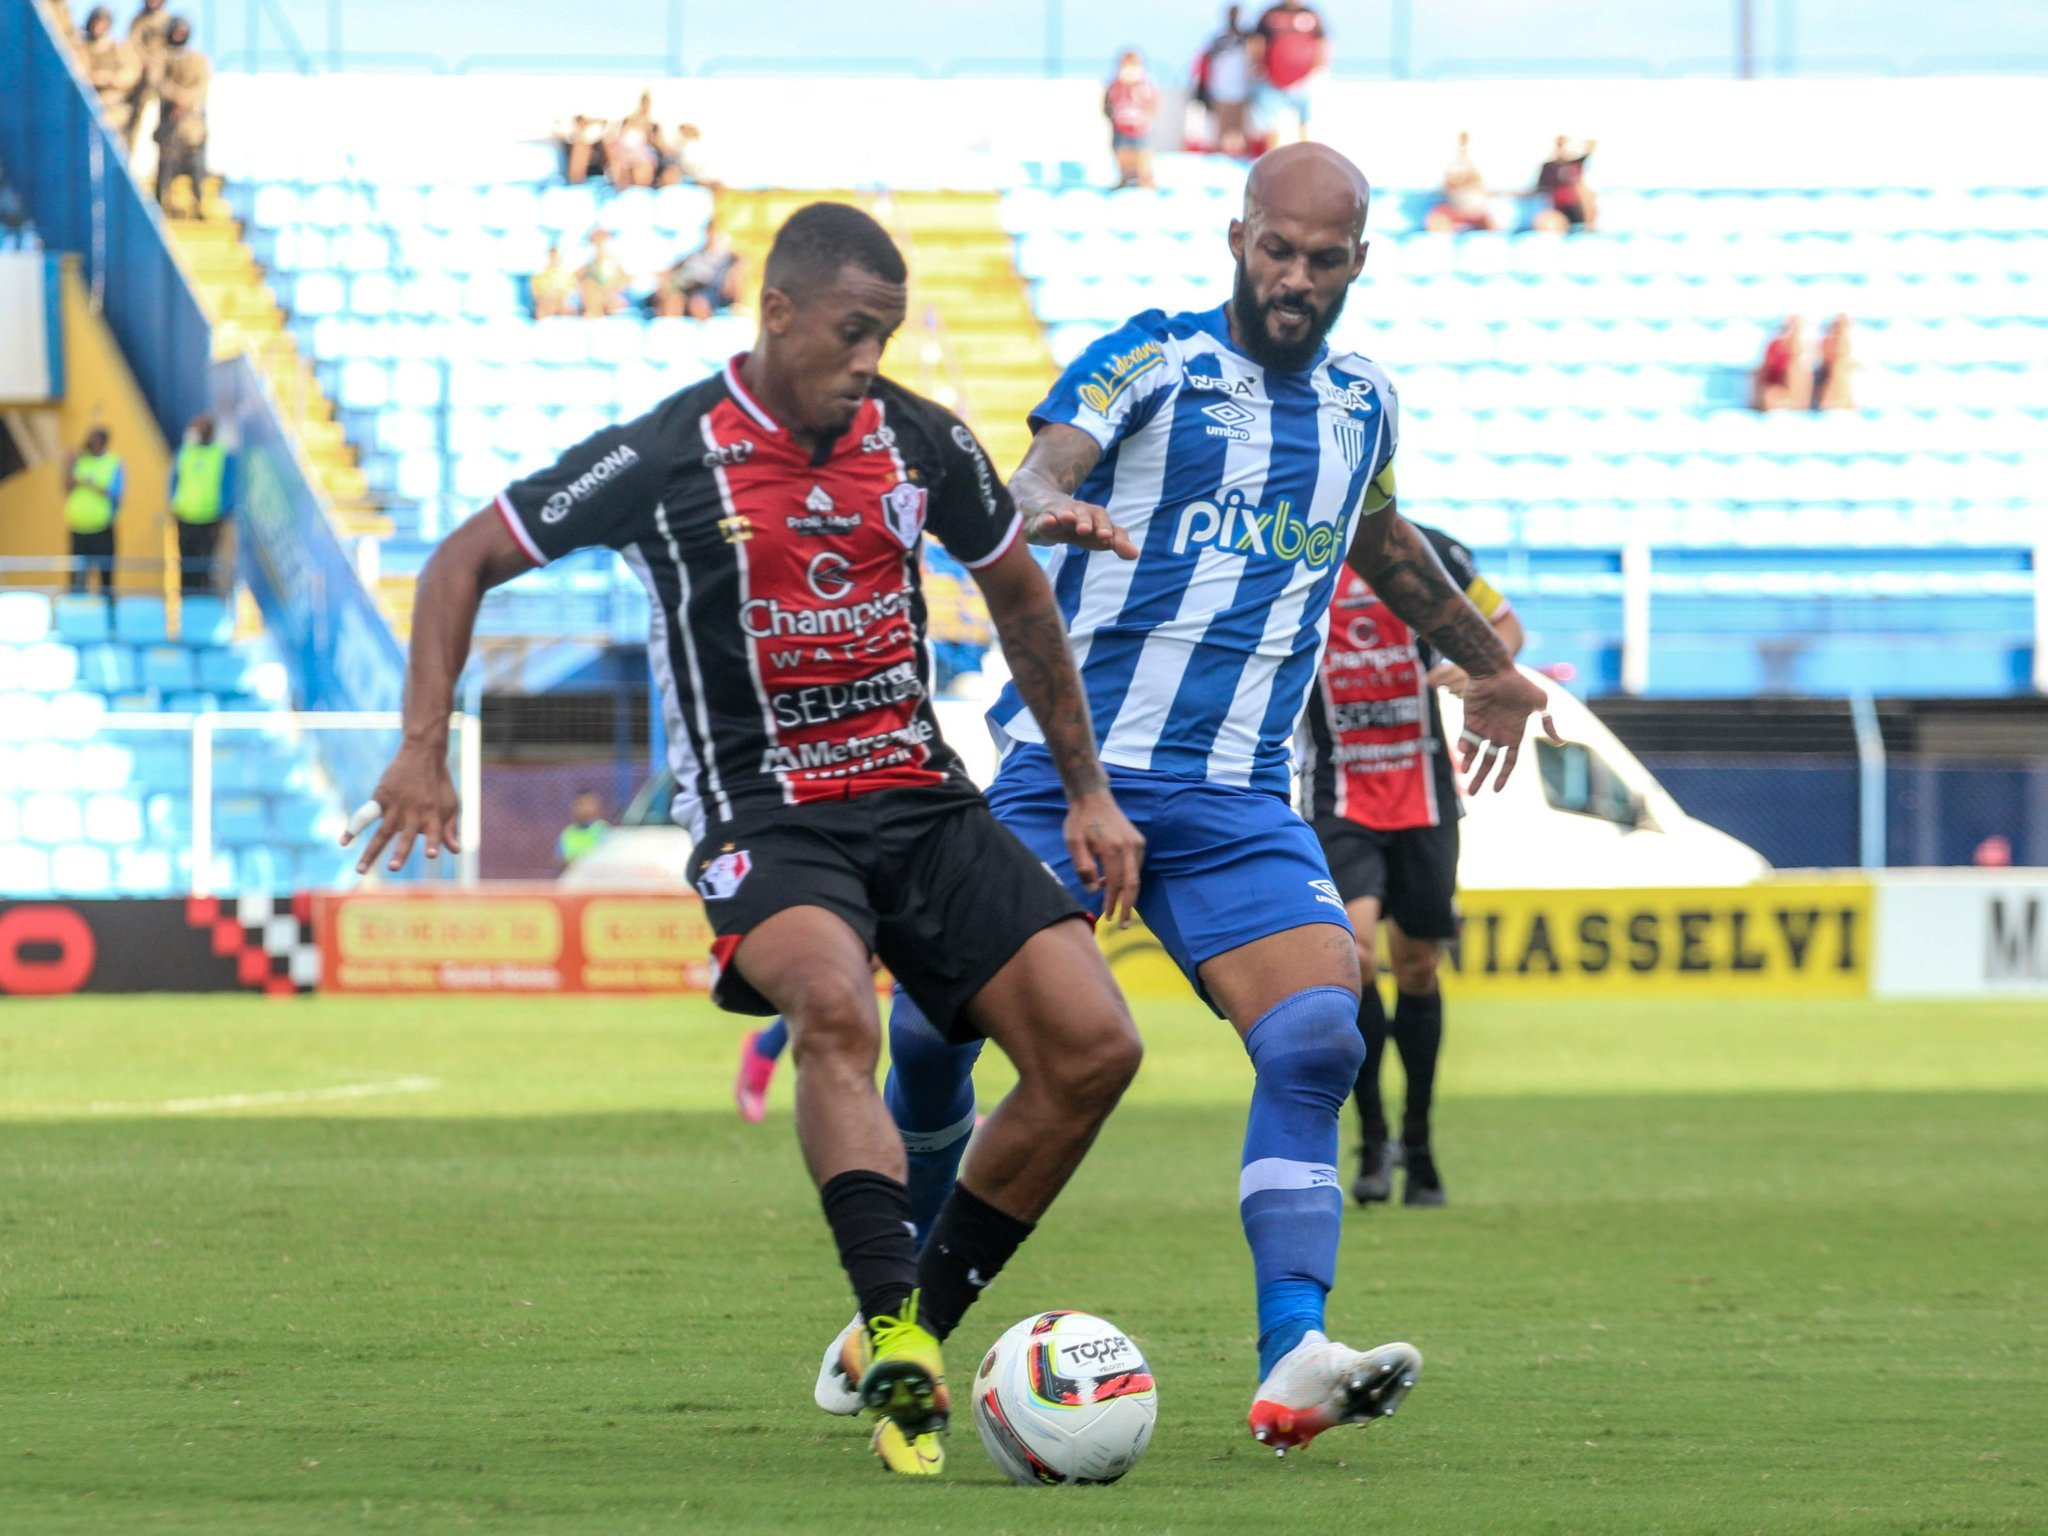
<point>1204,475</point>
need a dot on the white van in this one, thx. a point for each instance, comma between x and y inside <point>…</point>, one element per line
<point>1581,815</point>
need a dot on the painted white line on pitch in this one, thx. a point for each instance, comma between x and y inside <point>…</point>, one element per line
<point>374,1090</point>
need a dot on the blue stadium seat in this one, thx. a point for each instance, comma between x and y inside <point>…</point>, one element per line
<point>140,620</point>
<point>49,667</point>
<point>262,869</point>
<point>10,818</point>
<point>194,703</point>
<point>82,620</point>
<point>168,817</point>
<point>205,621</point>
<point>168,669</point>
<point>109,669</point>
<point>223,671</point>
<point>240,820</point>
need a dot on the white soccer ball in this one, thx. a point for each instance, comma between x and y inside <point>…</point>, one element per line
<point>1065,1398</point>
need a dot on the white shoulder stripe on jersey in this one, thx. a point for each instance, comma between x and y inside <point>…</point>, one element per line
<point>518,528</point>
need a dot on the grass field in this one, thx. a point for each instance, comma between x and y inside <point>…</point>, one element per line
<point>519,1268</point>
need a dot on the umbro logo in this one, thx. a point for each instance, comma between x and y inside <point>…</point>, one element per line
<point>818,501</point>
<point>1326,892</point>
<point>1229,419</point>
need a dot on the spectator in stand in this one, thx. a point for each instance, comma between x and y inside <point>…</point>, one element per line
<point>1464,206</point>
<point>146,36</point>
<point>1223,85</point>
<point>553,287</point>
<point>201,494</point>
<point>585,831</point>
<point>1569,202</point>
<point>112,67</point>
<point>582,147</point>
<point>1130,104</point>
<point>630,155</point>
<point>704,282</point>
<point>93,482</point>
<point>1831,390</point>
<point>181,130</point>
<point>1293,55</point>
<point>691,166</point>
<point>1784,379</point>
<point>601,281</point>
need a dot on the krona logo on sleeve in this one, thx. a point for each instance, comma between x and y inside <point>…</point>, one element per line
<point>558,505</point>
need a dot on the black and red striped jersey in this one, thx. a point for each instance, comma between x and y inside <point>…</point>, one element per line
<point>1371,744</point>
<point>788,630</point>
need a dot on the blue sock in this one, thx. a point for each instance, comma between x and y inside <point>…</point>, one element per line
<point>771,1041</point>
<point>930,1094</point>
<point>1306,1050</point>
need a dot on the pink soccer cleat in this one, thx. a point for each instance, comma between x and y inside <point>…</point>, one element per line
<point>750,1088</point>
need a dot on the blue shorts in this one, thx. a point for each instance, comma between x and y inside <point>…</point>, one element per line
<point>1223,865</point>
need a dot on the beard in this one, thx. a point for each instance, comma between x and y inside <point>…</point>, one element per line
<point>1279,356</point>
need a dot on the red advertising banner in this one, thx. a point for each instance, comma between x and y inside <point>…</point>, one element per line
<point>512,939</point>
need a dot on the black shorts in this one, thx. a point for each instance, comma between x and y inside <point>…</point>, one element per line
<point>935,886</point>
<point>1413,874</point>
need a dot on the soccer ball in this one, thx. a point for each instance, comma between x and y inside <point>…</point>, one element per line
<point>1065,1398</point>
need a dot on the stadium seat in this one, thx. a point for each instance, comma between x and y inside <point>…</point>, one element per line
<point>113,820</point>
<point>143,871</point>
<point>205,621</point>
<point>140,621</point>
<point>168,669</point>
<point>82,620</point>
<point>50,818</point>
<point>24,871</point>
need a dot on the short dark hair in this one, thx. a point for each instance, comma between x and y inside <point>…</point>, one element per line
<point>819,240</point>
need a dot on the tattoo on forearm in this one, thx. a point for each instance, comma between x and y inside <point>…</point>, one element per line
<point>1035,646</point>
<point>1050,474</point>
<point>1412,581</point>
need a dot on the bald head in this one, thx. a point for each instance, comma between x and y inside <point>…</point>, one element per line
<point>1299,247</point>
<point>1308,184</point>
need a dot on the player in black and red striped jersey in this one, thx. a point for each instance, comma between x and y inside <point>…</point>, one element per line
<point>775,513</point>
<point>1376,783</point>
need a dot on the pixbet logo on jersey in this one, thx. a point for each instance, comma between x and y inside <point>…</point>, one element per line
<point>1240,527</point>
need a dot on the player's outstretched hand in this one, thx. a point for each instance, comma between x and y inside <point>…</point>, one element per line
<point>1108,853</point>
<point>1497,711</point>
<point>414,799</point>
<point>1078,523</point>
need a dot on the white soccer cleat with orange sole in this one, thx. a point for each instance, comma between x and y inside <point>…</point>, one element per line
<point>1318,1385</point>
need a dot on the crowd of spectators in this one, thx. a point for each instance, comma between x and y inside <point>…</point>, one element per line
<point>1255,86</point>
<point>1564,200</point>
<point>1793,377</point>
<point>633,150</point>
<point>152,86</point>
<point>704,282</point>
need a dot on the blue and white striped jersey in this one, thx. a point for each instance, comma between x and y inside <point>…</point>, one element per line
<point>1241,488</point>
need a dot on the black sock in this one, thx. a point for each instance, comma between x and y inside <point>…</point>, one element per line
<point>1372,1023</point>
<point>970,1242</point>
<point>870,1217</point>
<point>1419,1032</point>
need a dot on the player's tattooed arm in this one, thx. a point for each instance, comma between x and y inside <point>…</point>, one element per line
<point>1107,850</point>
<point>1060,459</point>
<point>1400,566</point>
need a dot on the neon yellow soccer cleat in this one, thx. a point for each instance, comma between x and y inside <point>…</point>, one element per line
<point>901,1374</point>
<point>923,1457</point>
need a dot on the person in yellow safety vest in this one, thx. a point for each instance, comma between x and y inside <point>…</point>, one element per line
<point>585,831</point>
<point>93,483</point>
<point>200,497</point>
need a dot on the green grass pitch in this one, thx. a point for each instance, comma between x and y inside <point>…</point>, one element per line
<point>514,1265</point>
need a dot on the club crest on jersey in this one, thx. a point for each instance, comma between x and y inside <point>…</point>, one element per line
<point>1229,419</point>
<point>722,876</point>
<point>903,511</point>
<point>1350,434</point>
